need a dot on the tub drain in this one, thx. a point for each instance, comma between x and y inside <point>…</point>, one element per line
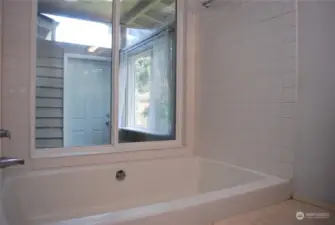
<point>120,175</point>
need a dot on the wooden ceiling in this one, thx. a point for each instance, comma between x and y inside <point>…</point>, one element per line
<point>146,14</point>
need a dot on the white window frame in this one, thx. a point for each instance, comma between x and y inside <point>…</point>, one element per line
<point>20,47</point>
<point>130,93</point>
<point>115,146</point>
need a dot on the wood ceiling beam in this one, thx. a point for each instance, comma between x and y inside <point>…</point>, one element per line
<point>153,19</point>
<point>139,9</point>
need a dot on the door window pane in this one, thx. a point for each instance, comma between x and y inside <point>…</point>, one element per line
<point>147,76</point>
<point>73,73</point>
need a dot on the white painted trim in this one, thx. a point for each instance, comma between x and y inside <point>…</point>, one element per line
<point>33,61</point>
<point>66,87</point>
<point>180,71</point>
<point>103,149</point>
<point>58,161</point>
<point>184,101</point>
<point>1,74</point>
<point>115,72</point>
<point>191,60</point>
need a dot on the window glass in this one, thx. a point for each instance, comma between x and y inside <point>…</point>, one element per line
<point>147,76</point>
<point>73,73</point>
<point>142,75</point>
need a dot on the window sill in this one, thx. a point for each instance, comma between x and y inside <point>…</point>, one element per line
<point>105,149</point>
<point>51,159</point>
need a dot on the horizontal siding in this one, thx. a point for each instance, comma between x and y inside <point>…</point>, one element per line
<point>49,143</point>
<point>50,63</point>
<point>49,95</point>
<point>49,113</point>
<point>49,72</point>
<point>47,133</point>
<point>49,102</point>
<point>47,49</point>
<point>49,82</point>
<point>45,92</point>
<point>49,123</point>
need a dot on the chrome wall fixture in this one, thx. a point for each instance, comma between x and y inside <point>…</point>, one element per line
<point>8,161</point>
<point>207,3</point>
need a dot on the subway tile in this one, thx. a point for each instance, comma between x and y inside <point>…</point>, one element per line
<point>289,80</point>
<point>287,110</point>
<point>289,94</point>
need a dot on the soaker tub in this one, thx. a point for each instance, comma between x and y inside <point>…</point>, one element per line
<point>173,191</point>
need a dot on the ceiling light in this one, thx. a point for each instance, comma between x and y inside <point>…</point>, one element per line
<point>92,49</point>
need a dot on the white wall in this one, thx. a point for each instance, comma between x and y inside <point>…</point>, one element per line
<point>2,216</point>
<point>314,165</point>
<point>247,85</point>
<point>18,93</point>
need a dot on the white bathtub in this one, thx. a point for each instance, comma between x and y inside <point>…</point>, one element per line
<point>175,191</point>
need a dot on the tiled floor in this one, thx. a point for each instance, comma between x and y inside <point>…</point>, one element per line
<point>281,214</point>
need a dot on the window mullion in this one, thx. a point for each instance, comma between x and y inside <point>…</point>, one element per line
<point>115,71</point>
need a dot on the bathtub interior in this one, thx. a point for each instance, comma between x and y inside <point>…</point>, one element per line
<point>216,176</point>
<point>42,197</point>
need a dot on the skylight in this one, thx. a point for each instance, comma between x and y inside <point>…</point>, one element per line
<point>83,32</point>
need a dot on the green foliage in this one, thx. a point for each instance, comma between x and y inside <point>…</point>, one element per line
<point>143,72</point>
<point>143,67</point>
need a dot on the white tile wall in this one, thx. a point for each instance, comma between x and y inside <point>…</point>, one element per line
<point>247,86</point>
<point>314,165</point>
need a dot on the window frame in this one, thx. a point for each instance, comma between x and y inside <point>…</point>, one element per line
<point>130,92</point>
<point>182,125</point>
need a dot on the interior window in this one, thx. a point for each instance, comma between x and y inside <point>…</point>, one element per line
<point>147,87</point>
<point>73,74</point>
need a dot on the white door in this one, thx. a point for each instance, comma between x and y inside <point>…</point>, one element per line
<point>87,97</point>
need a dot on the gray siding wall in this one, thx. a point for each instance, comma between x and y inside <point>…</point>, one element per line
<point>49,90</point>
<point>49,95</point>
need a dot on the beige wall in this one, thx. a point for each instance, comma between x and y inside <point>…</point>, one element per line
<point>246,87</point>
<point>314,165</point>
<point>2,216</point>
